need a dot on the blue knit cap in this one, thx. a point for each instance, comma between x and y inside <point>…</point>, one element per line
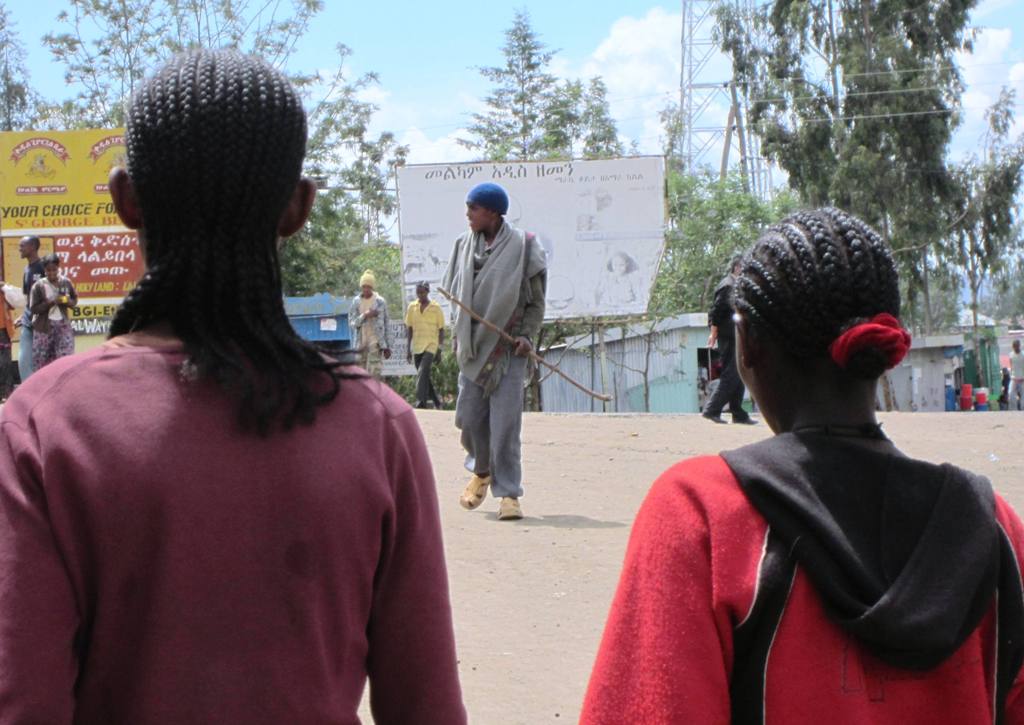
<point>489,196</point>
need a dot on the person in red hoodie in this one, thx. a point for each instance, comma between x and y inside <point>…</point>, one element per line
<point>821,575</point>
<point>206,520</point>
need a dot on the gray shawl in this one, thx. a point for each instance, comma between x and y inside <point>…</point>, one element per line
<point>493,292</point>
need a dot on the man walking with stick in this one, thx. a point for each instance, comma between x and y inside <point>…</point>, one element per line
<point>499,273</point>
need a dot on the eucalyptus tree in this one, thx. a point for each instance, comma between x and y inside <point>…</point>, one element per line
<point>857,101</point>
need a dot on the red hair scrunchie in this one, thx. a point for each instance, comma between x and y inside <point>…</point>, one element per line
<point>882,332</point>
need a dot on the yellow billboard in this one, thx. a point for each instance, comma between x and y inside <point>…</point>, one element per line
<point>58,179</point>
<point>100,264</point>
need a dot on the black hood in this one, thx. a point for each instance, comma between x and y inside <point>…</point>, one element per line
<point>904,554</point>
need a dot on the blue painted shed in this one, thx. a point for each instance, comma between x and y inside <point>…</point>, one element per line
<point>671,354</point>
<point>320,318</point>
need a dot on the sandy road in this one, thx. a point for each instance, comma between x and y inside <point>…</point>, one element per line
<point>530,597</point>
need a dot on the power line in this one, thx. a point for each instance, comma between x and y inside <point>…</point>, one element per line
<point>826,119</point>
<point>892,91</point>
<point>618,99</point>
<point>461,125</point>
<point>925,69</point>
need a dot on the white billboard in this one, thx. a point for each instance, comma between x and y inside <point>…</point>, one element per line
<point>601,223</point>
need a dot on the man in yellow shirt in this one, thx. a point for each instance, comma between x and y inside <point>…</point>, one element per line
<point>424,324</point>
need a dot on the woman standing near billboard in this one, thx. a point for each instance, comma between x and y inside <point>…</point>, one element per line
<point>49,301</point>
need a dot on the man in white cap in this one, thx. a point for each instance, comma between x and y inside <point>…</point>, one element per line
<point>500,273</point>
<point>368,317</point>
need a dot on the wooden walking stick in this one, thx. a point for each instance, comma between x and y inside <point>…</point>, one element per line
<point>508,338</point>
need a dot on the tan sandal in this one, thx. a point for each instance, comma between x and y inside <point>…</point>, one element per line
<point>475,493</point>
<point>510,510</point>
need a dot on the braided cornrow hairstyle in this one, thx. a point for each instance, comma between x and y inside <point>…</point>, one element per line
<point>215,145</point>
<point>813,276</point>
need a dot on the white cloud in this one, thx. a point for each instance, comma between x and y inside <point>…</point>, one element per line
<point>374,94</point>
<point>639,62</point>
<point>429,130</point>
<point>1017,83</point>
<point>985,71</point>
<point>991,7</point>
<point>638,59</point>
<point>988,57</point>
<point>446,149</point>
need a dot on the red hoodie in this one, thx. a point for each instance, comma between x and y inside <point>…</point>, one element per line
<point>159,566</point>
<point>697,563</point>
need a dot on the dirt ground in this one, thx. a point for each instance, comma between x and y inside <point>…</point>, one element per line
<point>530,597</point>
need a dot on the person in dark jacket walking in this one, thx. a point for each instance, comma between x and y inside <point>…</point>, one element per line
<point>730,388</point>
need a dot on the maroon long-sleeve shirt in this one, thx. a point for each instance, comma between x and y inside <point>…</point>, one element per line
<point>157,565</point>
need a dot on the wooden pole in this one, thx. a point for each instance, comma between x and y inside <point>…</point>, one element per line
<point>604,364</point>
<point>508,338</point>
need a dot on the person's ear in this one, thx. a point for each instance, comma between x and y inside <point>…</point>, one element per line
<point>297,211</point>
<point>750,350</point>
<point>122,193</point>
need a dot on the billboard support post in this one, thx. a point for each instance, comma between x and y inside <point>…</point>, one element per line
<point>604,366</point>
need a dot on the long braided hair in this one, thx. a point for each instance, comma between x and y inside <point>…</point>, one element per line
<point>215,145</point>
<point>815,275</point>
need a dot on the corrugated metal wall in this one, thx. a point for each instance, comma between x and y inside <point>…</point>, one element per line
<point>672,373</point>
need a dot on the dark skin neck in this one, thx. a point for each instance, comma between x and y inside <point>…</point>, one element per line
<point>155,334</point>
<point>794,394</point>
<point>491,230</point>
<point>825,398</point>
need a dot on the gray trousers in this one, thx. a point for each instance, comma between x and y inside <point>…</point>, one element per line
<point>424,386</point>
<point>25,367</point>
<point>491,425</point>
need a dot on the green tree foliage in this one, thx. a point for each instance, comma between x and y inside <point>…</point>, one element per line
<point>563,120</point>
<point>342,153</point>
<point>17,101</point>
<point>512,128</point>
<point>710,222</point>
<point>578,122</point>
<point>673,127</point>
<point>107,47</point>
<point>857,101</point>
<point>986,240</point>
<point>532,115</point>
<point>600,134</point>
<point>1004,299</point>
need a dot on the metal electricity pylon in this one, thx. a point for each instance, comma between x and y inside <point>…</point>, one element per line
<point>702,98</point>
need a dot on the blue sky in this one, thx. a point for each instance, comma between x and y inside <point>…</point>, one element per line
<point>426,53</point>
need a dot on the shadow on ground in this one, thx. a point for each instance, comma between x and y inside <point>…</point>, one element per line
<point>562,521</point>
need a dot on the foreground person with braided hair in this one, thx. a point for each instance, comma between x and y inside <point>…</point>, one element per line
<point>819,576</point>
<point>206,520</point>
